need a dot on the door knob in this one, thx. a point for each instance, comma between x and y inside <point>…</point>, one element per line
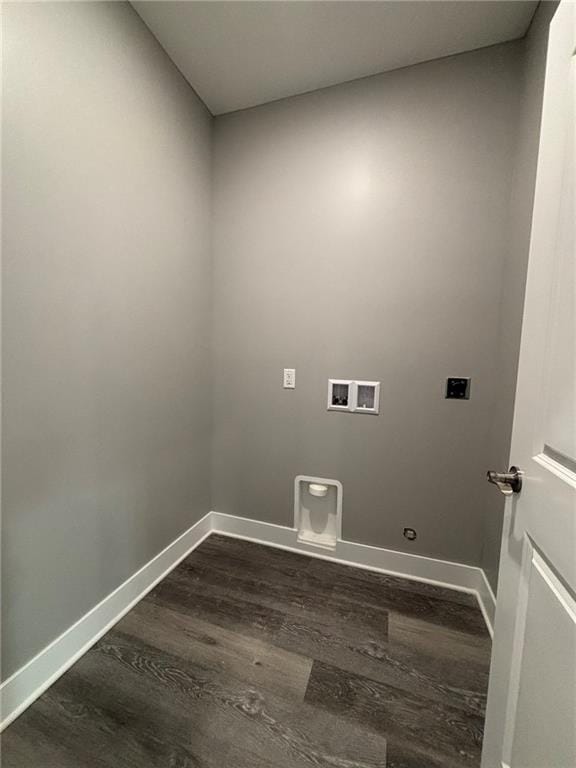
<point>508,482</point>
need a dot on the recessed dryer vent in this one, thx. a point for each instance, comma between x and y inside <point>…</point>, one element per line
<point>318,511</point>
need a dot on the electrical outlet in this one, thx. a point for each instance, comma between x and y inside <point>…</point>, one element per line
<point>458,388</point>
<point>289,378</point>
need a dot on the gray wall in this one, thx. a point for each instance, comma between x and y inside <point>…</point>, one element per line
<point>515,268</point>
<point>106,310</point>
<point>360,232</point>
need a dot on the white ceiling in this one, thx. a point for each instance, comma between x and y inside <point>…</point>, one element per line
<point>240,54</point>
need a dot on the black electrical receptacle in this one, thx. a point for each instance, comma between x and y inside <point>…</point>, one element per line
<point>458,388</point>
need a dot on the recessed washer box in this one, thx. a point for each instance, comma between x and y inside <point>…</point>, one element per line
<point>367,397</point>
<point>340,394</point>
<point>354,396</point>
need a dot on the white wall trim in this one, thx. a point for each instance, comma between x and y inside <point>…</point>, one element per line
<point>444,573</point>
<point>31,680</point>
<point>487,600</point>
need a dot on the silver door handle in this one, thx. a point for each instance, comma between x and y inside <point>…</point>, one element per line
<point>508,482</point>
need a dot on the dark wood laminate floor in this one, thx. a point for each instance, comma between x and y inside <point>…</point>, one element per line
<point>252,657</point>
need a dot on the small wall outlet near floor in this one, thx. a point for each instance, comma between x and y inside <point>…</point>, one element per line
<point>410,534</point>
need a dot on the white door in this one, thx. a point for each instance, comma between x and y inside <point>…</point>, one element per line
<point>531,715</point>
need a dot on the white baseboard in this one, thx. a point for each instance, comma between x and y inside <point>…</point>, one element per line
<point>465,578</point>
<point>487,600</point>
<point>31,680</point>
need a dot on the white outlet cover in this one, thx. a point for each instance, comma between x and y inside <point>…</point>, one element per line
<point>289,378</point>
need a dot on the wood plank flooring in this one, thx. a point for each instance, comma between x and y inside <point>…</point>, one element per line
<point>251,657</point>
